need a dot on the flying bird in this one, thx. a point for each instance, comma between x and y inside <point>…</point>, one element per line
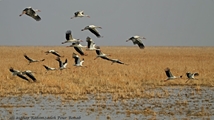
<point>29,74</point>
<point>104,56</point>
<point>79,14</point>
<point>101,54</point>
<point>18,73</point>
<point>137,40</point>
<point>78,47</point>
<point>77,61</point>
<point>53,52</point>
<point>32,13</point>
<point>117,61</point>
<point>92,28</point>
<point>169,75</point>
<point>32,60</point>
<point>69,38</point>
<point>90,44</point>
<point>49,68</point>
<point>191,76</point>
<point>62,65</point>
<point>13,71</point>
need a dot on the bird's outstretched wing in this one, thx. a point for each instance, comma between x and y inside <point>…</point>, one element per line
<point>30,75</point>
<point>36,17</point>
<point>94,31</point>
<point>30,12</point>
<point>105,58</point>
<point>28,57</point>
<point>168,72</point>
<point>79,50</point>
<point>140,44</point>
<point>57,54</point>
<point>76,13</point>
<point>68,35</point>
<point>60,62</point>
<point>46,67</point>
<point>23,77</point>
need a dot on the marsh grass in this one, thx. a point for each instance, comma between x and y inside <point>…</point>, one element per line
<point>146,68</point>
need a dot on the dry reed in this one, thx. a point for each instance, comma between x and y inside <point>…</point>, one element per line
<point>146,68</point>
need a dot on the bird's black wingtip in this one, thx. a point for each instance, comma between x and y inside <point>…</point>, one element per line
<point>167,69</point>
<point>100,36</point>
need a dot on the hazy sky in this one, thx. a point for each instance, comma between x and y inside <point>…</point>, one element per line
<point>162,22</point>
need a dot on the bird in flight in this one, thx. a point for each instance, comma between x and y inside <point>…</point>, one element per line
<point>77,61</point>
<point>21,74</point>
<point>32,60</point>
<point>29,74</point>
<point>49,68</point>
<point>62,65</point>
<point>137,40</point>
<point>32,13</point>
<point>117,61</point>
<point>90,44</point>
<point>101,54</point>
<point>92,28</point>
<point>54,52</point>
<point>80,14</point>
<point>191,76</point>
<point>78,47</point>
<point>170,75</point>
<point>18,73</point>
<point>69,38</point>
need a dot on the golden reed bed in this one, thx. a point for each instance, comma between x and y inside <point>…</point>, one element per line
<point>146,68</point>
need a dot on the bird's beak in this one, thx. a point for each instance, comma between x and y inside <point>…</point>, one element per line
<point>88,16</point>
<point>22,13</point>
<point>38,10</point>
<point>82,30</point>
<point>127,40</point>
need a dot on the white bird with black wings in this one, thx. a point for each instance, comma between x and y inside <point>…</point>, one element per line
<point>137,40</point>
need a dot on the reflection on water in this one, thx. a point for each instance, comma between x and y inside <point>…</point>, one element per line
<point>161,103</point>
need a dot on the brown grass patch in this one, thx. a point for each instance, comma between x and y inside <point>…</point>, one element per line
<point>146,68</point>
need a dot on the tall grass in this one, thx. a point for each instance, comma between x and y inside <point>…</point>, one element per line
<point>146,68</point>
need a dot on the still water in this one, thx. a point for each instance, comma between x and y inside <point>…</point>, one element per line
<point>161,103</point>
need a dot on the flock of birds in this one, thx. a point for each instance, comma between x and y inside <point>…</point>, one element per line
<point>171,76</point>
<point>75,43</point>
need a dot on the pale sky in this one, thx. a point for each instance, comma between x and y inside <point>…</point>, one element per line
<point>162,22</point>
